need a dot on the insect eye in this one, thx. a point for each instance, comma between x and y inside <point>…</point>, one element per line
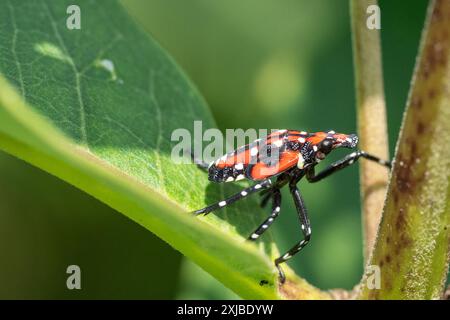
<point>326,146</point>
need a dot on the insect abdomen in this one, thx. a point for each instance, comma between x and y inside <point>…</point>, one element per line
<point>226,174</point>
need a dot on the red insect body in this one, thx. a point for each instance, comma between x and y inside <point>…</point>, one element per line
<point>275,154</point>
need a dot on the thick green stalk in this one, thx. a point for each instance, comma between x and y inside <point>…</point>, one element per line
<point>412,247</point>
<point>371,112</point>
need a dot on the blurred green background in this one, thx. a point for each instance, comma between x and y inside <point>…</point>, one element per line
<point>259,64</point>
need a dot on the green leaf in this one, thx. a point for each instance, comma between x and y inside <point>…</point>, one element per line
<point>96,107</point>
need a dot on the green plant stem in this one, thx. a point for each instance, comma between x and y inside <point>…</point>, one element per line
<point>371,113</point>
<point>412,247</point>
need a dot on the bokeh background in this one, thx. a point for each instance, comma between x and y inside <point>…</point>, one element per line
<point>259,64</point>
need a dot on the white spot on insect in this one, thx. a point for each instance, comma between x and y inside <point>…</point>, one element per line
<point>270,219</point>
<point>257,186</point>
<point>282,131</point>
<point>301,140</point>
<point>264,226</point>
<point>253,151</point>
<point>300,162</point>
<point>331,132</point>
<point>278,143</point>
<point>244,193</point>
<point>303,227</point>
<point>254,236</point>
<point>286,256</point>
<point>351,161</point>
<point>277,209</point>
<point>315,148</point>
<point>309,230</point>
<point>353,154</point>
<point>222,203</point>
<point>239,166</point>
<point>348,139</point>
<point>303,133</point>
<point>240,177</point>
<point>229,179</point>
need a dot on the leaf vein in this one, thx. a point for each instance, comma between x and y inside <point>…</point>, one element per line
<point>83,129</point>
<point>13,49</point>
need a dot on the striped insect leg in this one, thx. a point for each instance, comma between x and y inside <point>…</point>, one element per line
<point>238,196</point>
<point>276,206</point>
<point>305,225</point>
<point>343,163</point>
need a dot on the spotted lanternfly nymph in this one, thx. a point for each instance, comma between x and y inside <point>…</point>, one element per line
<point>288,156</point>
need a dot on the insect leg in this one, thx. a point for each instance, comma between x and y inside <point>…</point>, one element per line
<point>305,225</point>
<point>373,158</point>
<point>268,193</point>
<point>266,198</point>
<point>343,163</point>
<point>238,196</point>
<point>276,205</point>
